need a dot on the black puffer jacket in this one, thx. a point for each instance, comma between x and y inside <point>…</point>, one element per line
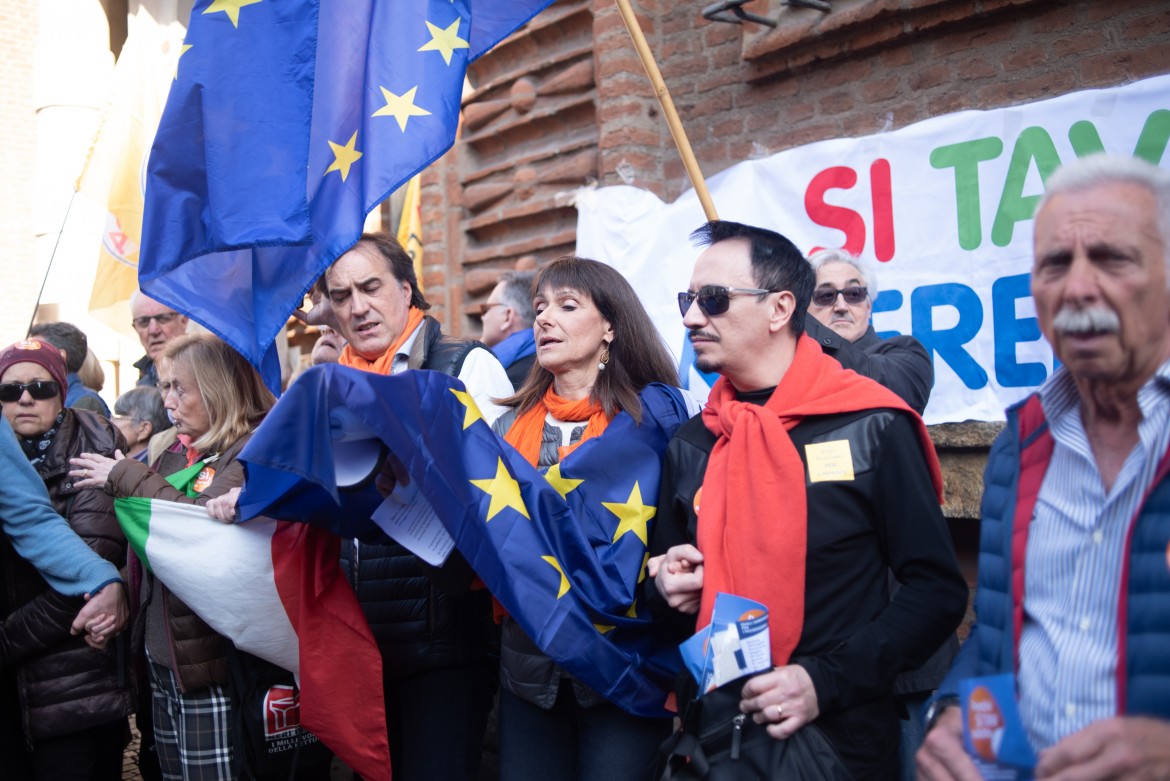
<point>423,618</point>
<point>64,685</point>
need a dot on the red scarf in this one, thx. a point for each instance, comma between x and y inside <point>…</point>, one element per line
<point>527,430</point>
<point>384,363</point>
<point>753,517</point>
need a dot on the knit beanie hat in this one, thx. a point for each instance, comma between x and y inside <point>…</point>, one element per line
<point>36,351</point>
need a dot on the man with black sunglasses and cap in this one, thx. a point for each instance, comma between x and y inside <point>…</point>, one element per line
<point>800,486</point>
<point>842,303</point>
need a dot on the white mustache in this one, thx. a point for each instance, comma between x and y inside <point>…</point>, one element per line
<point>1087,321</point>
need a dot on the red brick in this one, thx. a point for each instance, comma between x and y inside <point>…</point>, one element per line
<point>1078,43</point>
<point>932,76</point>
<point>975,67</point>
<point>1024,58</point>
<point>878,90</point>
<point>835,103</point>
<point>1148,26</point>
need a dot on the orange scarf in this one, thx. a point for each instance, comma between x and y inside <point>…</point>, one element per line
<point>527,430</point>
<point>753,514</point>
<point>384,362</point>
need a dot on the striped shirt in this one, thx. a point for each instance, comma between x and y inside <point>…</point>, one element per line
<point>1076,545</point>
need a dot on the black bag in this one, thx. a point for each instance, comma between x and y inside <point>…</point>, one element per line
<point>270,741</point>
<point>719,743</point>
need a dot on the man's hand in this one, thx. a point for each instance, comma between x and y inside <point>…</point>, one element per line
<point>942,756</point>
<point>223,508</point>
<point>1127,747</point>
<point>783,699</point>
<point>680,578</point>
<point>104,615</point>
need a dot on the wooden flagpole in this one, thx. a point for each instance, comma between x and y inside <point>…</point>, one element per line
<point>672,120</point>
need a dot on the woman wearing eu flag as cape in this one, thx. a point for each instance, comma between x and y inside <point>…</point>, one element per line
<point>596,350</point>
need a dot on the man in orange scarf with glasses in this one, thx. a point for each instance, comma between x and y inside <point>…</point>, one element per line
<point>439,642</point>
<point>800,486</point>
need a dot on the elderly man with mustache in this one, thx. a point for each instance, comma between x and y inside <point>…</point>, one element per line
<point>1074,569</point>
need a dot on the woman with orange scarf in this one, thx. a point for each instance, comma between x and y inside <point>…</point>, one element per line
<point>596,349</point>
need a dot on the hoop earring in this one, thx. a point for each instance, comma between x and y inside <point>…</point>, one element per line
<point>604,358</point>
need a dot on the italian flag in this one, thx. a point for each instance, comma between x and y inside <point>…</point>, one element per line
<point>276,590</point>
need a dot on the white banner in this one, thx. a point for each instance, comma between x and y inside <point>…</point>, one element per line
<point>944,206</point>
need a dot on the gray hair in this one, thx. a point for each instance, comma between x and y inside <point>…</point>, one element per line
<point>143,403</point>
<point>1103,169</point>
<point>517,293</point>
<point>865,267</point>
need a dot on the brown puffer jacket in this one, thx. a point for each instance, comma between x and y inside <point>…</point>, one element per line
<point>64,685</point>
<point>198,652</point>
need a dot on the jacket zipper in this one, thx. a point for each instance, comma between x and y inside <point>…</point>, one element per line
<point>736,734</point>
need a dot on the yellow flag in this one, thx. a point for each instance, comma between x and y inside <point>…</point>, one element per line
<point>115,170</point>
<point>410,227</point>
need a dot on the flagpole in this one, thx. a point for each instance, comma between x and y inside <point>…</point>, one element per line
<point>49,268</point>
<point>664,100</point>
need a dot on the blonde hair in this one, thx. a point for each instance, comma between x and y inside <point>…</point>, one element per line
<point>234,395</point>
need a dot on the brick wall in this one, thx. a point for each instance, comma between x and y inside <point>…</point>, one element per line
<point>18,34</point>
<point>744,91</point>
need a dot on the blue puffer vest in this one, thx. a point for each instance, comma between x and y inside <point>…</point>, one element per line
<point>1015,471</point>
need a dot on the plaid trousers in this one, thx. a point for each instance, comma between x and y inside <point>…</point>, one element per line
<point>192,732</point>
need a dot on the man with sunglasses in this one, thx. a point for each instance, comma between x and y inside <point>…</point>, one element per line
<point>156,324</point>
<point>842,303</point>
<point>800,486</point>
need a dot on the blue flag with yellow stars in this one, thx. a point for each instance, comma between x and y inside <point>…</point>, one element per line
<point>564,552</point>
<point>288,122</point>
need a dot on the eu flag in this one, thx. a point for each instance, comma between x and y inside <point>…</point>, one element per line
<point>564,551</point>
<point>289,121</point>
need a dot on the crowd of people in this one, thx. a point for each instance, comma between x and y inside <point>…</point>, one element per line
<point>808,482</point>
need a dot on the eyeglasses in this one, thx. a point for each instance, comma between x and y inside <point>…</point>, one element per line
<point>714,299</point>
<point>827,296</point>
<point>484,308</point>
<point>39,390</point>
<point>142,323</point>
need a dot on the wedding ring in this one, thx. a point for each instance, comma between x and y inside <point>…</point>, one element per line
<point>779,711</point>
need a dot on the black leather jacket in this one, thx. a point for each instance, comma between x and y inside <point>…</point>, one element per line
<point>855,638</point>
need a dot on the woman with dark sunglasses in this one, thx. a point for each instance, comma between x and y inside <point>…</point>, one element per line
<point>73,699</point>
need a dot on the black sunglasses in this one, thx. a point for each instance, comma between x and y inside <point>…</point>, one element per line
<point>827,296</point>
<point>39,390</point>
<point>715,299</point>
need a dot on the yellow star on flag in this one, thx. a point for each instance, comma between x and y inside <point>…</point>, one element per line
<point>563,485</point>
<point>604,628</point>
<point>643,572</point>
<point>444,41</point>
<point>504,491</point>
<point>472,414</point>
<point>552,562</point>
<point>343,156</point>
<point>182,50</point>
<point>633,515</point>
<point>401,107</point>
<point>229,7</point>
